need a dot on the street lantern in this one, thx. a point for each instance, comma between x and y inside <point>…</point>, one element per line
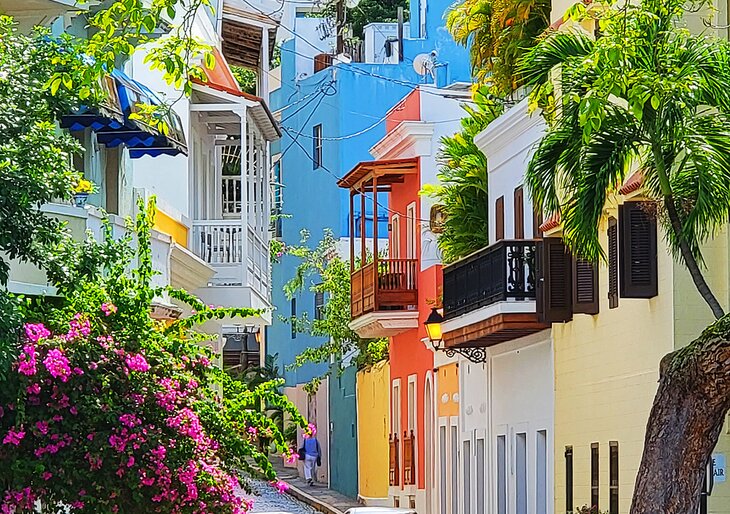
<point>433,328</point>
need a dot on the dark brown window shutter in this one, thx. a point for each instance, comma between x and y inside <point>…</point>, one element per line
<point>499,219</point>
<point>519,208</point>
<point>554,284</point>
<point>612,263</point>
<point>638,251</point>
<point>585,287</point>
<point>537,220</point>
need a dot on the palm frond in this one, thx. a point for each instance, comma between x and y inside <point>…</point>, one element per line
<point>556,48</point>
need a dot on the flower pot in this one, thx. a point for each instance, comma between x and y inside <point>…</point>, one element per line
<point>80,199</point>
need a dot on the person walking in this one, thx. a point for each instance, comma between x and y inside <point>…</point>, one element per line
<point>312,458</point>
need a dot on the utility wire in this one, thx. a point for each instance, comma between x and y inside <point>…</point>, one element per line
<point>333,174</point>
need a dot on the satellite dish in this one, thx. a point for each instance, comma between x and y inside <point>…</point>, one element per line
<point>423,64</point>
<point>351,4</point>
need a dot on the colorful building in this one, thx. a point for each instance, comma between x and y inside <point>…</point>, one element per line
<point>392,296</point>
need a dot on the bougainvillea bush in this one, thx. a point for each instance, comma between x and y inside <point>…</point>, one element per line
<point>107,410</point>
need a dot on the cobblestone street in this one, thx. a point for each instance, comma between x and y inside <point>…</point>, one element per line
<point>267,499</point>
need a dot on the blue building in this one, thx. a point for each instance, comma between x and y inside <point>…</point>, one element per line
<point>331,113</point>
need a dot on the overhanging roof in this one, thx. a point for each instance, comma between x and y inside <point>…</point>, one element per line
<point>387,172</point>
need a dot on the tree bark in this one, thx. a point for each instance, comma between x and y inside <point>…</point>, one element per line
<point>685,423</point>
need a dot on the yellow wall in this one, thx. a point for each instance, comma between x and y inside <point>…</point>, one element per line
<point>606,370</point>
<point>373,420</point>
<point>170,226</point>
<point>448,386</point>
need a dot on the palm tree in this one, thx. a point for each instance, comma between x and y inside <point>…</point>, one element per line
<point>462,191</point>
<point>647,95</point>
<point>498,33</point>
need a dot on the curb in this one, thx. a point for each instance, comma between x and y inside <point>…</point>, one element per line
<point>311,500</point>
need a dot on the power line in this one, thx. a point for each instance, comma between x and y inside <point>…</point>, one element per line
<point>375,196</point>
<point>346,66</point>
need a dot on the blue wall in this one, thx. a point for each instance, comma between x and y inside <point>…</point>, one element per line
<point>359,96</point>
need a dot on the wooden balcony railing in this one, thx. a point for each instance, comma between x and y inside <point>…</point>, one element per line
<point>394,460</point>
<point>500,272</point>
<point>393,287</point>
<point>409,458</point>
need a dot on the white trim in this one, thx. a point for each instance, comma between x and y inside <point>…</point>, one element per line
<point>411,231</point>
<point>414,137</point>
<point>395,235</point>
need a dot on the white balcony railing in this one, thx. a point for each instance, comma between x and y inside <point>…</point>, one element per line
<point>258,263</point>
<point>218,241</point>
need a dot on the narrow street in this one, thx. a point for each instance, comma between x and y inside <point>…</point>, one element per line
<point>268,499</point>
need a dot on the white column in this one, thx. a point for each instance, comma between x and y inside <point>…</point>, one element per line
<point>264,65</point>
<point>244,198</point>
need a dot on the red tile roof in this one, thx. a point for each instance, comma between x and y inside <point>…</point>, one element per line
<point>633,184</point>
<point>552,222</point>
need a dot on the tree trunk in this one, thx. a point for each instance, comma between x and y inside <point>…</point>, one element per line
<point>690,261</point>
<point>685,423</point>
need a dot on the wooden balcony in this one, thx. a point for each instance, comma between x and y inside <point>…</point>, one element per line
<point>394,288</point>
<point>394,468</point>
<point>490,296</point>
<point>384,295</point>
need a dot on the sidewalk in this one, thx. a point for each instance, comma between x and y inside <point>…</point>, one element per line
<point>317,496</point>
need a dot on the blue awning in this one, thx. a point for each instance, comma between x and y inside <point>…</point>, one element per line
<point>113,124</point>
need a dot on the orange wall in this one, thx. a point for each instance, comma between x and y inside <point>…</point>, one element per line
<point>448,384</point>
<point>408,109</point>
<point>408,354</point>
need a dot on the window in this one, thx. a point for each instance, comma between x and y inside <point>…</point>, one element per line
<point>466,460</point>
<point>568,479</point>
<point>396,409</point>
<point>536,223</point>
<point>594,475</point>
<point>443,470</point>
<point>613,478</point>
<point>317,146</point>
<point>293,318</point>
<point>521,473</point>
<point>412,231</point>
<point>519,210</point>
<point>112,179</point>
<point>395,237</point>
<point>612,263</point>
<point>501,474</point>
<point>638,250</point>
<point>454,470</point>
<point>319,305</point>
<point>422,6</point>
<point>276,209</point>
<point>585,286</point>
<point>541,472</point>
<point>411,403</point>
<point>555,281</point>
<point>499,219</point>
<point>481,485</point>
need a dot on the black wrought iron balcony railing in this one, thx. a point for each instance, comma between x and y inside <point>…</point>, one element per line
<point>500,272</point>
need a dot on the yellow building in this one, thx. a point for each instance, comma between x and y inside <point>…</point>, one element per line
<point>373,428</point>
<point>607,367</point>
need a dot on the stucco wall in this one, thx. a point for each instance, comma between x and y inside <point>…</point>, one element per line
<point>606,371</point>
<point>373,426</point>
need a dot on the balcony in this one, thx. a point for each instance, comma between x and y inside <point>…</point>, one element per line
<point>384,291</point>
<point>30,13</point>
<point>394,467</point>
<point>490,296</point>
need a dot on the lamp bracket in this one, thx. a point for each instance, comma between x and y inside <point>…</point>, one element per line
<point>476,355</point>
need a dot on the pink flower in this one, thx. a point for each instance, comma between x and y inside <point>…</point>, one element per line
<point>280,486</point>
<point>290,457</point>
<point>136,362</point>
<point>27,360</point>
<point>253,431</point>
<point>36,331</point>
<point>47,476</point>
<point>42,427</point>
<point>57,364</point>
<point>108,308</point>
<point>33,389</point>
<point>14,437</point>
<point>74,411</point>
<point>77,504</point>
<point>130,461</point>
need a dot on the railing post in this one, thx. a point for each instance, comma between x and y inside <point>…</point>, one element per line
<point>375,242</point>
<point>244,195</point>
